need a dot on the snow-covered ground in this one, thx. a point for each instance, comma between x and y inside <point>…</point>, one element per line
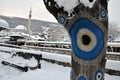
<point>48,71</point>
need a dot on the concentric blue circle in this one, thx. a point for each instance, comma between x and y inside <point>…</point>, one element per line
<point>103,13</point>
<point>99,75</point>
<point>86,23</point>
<point>62,19</point>
<point>81,78</point>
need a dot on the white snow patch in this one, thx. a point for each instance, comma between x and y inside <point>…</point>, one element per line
<point>53,56</point>
<point>114,65</point>
<point>17,60</point>
<point>4,24</point>
<point>22,62</point>
<point>49,4</point>
<point>21,27</point>
<point>69,5</point>
<point>87,3</point>
<point>111,77</point>
<point>48,71</point>
<point>57,57</point>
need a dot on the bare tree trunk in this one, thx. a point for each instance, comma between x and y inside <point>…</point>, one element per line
<point>87,26</point>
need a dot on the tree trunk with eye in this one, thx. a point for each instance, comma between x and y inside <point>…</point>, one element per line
<point>87,25</point>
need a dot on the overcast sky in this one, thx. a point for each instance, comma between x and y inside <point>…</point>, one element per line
<point>20,8</point>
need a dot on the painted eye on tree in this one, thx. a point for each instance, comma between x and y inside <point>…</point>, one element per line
<point>82,78</point>
<point>103,13</point>
<point>99,75</point>
<point>86,40</point>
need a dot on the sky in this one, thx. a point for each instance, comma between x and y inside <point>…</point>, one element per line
<point>20,8</point>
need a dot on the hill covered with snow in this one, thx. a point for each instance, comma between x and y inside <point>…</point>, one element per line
<point>50,30</point>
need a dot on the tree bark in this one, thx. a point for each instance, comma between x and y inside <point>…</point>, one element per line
<point>88,29</point>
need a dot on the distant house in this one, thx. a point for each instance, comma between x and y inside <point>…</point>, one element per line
<point>19,28</point>
<point>117,39</point>
<point>4,29</point>
<point>16,36</point>
<point>114,46</point>
<point>36,38</point>
<point>16,33</point>
<point>3,24</point>
<point>19,35</point>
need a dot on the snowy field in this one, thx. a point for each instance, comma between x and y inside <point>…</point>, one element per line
<point>48,71</point>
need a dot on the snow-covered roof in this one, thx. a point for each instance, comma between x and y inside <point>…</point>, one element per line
<point>15,34</point>
<point>21,27</point>
<point>4,24</point>
<point>117,39</point>
<point>24,34</point>
<point>36,37</point>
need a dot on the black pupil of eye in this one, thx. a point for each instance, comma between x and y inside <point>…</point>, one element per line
<point>98,76</point>
<point>91,0</point>
<point>86,40</point>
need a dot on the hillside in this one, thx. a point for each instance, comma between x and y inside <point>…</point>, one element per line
<point>35,24</point>
<point>54,31</point>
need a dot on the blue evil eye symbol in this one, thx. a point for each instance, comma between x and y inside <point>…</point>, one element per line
<point>87,39</point>
<point>99,75</point>
<point>81,78</point>
<point>62,19</point>
<point>72,74</point>
<point>103,13</point>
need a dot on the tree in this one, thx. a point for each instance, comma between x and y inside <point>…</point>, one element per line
<point>87,26</point>
<point>113,31</point>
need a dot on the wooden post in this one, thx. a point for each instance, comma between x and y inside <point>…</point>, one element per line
<point>87,25</point>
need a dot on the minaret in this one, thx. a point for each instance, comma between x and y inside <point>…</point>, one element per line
<point>29,21</point>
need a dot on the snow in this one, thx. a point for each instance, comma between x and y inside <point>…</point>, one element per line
<point>36,37</point>
<point>113,44</point>
<point>3,33</point>
<point>15,34</point>
<point>48,71</point>
<point>116,53</point>
<point>67,7</point>
<point>22,62</point>
<point>49,3</point>
<point>111,77</point>
<point>4,24</point>
<point>87,3</point>
<point>58,57</point>
<point>117,39</point>
<point>24,34</point>
<point>73,3</point>
<point>17,60</point>
<point>111,64</point>
<point>21,27</point>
